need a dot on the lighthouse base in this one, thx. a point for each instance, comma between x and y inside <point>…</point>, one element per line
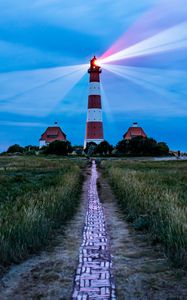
<point>96,141</point>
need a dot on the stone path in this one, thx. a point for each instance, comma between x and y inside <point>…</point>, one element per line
<point>93,276</point>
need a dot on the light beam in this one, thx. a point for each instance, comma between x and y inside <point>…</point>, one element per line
<point>164,90</point>
<point>174,38</point>
<point>37,92</point>
<point>165,82</point>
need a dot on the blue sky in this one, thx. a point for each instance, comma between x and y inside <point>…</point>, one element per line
<point>41,40</point>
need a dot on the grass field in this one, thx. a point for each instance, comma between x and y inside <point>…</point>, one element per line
<point>153,195</point>
<point>37,196</point>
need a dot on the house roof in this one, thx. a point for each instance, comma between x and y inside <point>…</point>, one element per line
<point>134,131</point>
<point>53,133</point>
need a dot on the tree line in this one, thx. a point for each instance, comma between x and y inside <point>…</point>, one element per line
<point>137,146</point>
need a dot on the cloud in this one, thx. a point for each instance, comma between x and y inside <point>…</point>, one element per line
<point>15,56</point>
<point>23,124</point>
<point>81,16</point>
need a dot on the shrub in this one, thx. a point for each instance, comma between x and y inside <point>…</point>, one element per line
<point>103,148</point>
<point>139,146</point>
<point>58,148</point>
<point>15,149</point>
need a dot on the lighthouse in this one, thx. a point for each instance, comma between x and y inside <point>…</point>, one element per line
<point>94,123</point>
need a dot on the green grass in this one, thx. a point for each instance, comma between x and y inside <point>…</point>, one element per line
<point>153,195</point>
<point>37,196</point>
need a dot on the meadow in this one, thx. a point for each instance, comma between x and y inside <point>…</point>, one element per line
<point>153,196</point>
<point>37,195</point>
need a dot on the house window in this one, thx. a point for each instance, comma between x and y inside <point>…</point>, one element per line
<point>52,136</point>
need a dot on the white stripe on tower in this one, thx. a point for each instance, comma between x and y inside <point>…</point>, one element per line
<point>94,89</point>
<point>94,115</point>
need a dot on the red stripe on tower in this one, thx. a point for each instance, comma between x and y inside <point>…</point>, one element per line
<point>94,124</point>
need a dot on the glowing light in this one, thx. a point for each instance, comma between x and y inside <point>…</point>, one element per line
<point>97,63</point>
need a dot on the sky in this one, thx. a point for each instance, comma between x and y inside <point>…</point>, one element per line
<point>45,48</point>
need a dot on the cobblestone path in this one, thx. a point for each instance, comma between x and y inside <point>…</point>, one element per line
<point>93,275</point>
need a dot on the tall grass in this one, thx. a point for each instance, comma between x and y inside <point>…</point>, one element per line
<point>154,196</point>
<point>50,198</point>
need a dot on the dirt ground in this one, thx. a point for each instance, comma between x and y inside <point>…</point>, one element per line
<point>141,270</point>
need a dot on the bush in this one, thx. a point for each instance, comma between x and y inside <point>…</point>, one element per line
<point>15,149</point>
<point>140,146</point>
<point>58,148</point>
<point>103,148</point>
<point>90,148</point>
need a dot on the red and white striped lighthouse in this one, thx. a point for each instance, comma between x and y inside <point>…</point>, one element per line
<point>94,124</point>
